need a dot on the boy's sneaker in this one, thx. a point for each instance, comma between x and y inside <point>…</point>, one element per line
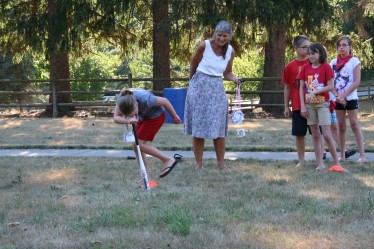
<point>324,154</point>
<point>349,153</point>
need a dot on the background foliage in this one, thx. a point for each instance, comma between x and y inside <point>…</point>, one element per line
<point>109,39</point>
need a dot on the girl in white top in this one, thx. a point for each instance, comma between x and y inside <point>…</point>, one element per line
<point>347,78</point>
<point>206,108</point>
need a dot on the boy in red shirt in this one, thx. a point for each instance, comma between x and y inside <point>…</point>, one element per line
<point>291,92</point>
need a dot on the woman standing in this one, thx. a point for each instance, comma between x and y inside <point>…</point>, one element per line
<point>206,108</point>
<point>347,78</point>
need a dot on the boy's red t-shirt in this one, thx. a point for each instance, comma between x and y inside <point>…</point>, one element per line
<point>290,74</point>
<point>316,78</point>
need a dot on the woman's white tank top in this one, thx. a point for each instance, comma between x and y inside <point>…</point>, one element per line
<point>212,64</point>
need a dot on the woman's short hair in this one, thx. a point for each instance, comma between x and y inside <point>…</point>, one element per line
<point>317,47</point>
<point>223,26</point>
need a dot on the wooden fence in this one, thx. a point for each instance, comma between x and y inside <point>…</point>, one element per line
<point>366,89</point>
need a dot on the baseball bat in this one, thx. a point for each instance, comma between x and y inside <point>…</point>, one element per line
<point>143,172</point>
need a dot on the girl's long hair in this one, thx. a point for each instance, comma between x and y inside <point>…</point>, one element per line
<point>127,102</point>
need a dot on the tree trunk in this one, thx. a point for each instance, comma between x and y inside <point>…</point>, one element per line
<point>58,55</point>
<point>274,64</point>
<point>161,44</point>
<point>59,69</point>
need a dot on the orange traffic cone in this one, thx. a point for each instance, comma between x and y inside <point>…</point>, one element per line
<point>153,184</point>
<point>337,168</point>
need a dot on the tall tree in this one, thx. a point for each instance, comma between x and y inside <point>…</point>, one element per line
<point>161,44</point>
<point>277,19</point>
<point>58,51</point>
<point>57,28</point>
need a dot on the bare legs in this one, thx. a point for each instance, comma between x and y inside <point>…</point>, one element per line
<point>300,147</point>
<point>149,149</point>
<point>356,129</point>
<point>198,149</point>
<point>327,136</point>
<point>317,145</point>
<point>316,135</point>
<point>219,146</point>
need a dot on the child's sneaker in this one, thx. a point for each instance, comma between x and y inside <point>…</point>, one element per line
<point>349,153</point>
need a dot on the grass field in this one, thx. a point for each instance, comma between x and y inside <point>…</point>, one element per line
<point>76,202</point>
<point>102,132</point>
<point>95,203</point>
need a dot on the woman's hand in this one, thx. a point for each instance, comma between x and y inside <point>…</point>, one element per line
<point>237,81</point>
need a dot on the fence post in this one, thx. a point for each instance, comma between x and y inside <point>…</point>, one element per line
<point>369,89</point>
<point>130,80</point>
<point>54,99</point>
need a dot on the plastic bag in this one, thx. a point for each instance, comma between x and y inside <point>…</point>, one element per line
<point>128,136</point>
<point>237,116</point>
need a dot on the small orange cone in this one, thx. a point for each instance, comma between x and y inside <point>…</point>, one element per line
<point>337,168</point>
<point>153,184</point>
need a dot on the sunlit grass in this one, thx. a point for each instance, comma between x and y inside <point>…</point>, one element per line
<point>55,202</point>
<point>103,133</point>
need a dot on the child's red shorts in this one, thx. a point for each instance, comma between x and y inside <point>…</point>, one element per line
<point>147,129</point>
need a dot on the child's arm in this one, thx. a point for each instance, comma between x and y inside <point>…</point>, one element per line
<point>355,84</point>
<point>286,96</point>
<point>120,119</point>
<point>165,103</point>
<point>303,110</point>
<point>329,87</point>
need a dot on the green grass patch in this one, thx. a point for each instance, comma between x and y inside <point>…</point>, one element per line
<point>80,202</point>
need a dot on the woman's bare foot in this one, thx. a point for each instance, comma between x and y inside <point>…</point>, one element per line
<point>222,166</point>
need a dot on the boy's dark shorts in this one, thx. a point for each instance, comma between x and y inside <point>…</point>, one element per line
<point>351,105</point>
<point>299,124</point>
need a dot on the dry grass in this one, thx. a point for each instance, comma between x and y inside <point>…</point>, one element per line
<point>102,132</point>
<point>93,203</point>
<point>55,202</point>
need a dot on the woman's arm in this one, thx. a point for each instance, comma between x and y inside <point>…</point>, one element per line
<point>196,58</point>
<point>227,74</point>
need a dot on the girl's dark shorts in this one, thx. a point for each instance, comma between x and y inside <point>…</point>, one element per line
<point>299,124</point>
<point>351,105</point>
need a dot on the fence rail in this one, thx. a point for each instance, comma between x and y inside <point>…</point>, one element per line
<point>366,89</point>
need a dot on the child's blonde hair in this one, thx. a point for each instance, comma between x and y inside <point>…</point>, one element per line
<point>127,102</point>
